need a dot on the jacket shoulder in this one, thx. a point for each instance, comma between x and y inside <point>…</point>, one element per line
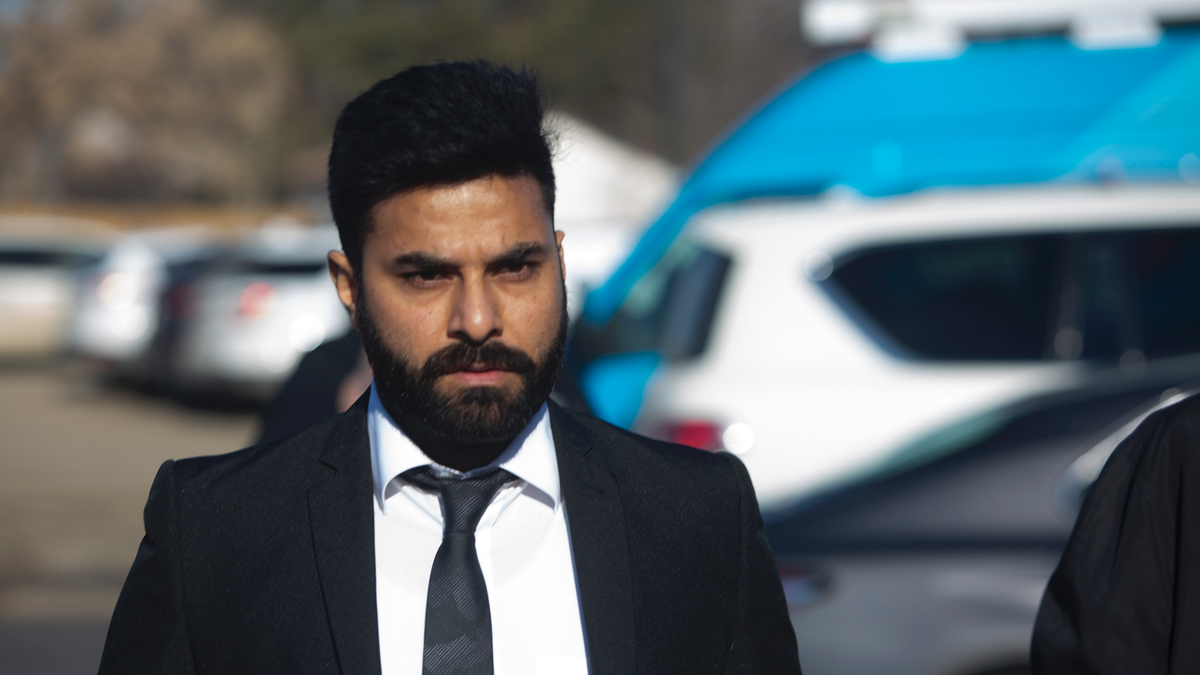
<point>291,456</point>
<point>632,455</point>
<point>1163,445</point>
<point>1181,420</point>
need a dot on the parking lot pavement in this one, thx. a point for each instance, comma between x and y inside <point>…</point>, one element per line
<point>51,648</point>
<point>76,463</point>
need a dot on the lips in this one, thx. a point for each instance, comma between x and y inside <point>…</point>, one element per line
<point>480,377</point>
<point>481,368</point>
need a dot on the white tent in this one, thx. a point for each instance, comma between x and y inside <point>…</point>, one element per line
<point>608,192</point>
<point>602,180</point>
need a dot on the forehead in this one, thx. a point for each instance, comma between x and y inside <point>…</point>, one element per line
<point>477,217</point>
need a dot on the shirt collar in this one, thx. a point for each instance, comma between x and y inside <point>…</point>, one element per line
<point>531,455</point>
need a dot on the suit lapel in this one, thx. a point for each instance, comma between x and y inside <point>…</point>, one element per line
<point>343,530</point>
<point>599,546</point>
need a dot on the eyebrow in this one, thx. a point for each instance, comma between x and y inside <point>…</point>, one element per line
<point>519,252</point>
<point>427,261</point>
<point>421,261</point>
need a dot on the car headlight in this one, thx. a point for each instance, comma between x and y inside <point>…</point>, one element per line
<point>117,290</point>
<point>305,332</point>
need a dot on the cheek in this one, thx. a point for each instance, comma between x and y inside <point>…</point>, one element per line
<point>532,321</point>
<point>415,331</point>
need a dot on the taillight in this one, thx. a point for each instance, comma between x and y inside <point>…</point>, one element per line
<point>257,299</point>
<point>700,434</point>
<point>179,301</point>
<point>737,438</point>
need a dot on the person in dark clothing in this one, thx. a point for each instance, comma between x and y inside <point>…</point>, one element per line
<point>454,520</point>
<point>1125,599</point>
<point>317,389</point>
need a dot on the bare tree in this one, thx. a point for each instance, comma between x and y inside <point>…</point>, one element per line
<point>104,99</point>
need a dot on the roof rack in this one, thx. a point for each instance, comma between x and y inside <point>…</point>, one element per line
<point>908,30</point>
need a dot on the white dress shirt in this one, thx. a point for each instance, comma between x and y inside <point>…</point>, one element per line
<point>524,551</point>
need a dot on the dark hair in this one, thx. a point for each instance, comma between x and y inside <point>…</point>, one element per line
<point>441,124</point>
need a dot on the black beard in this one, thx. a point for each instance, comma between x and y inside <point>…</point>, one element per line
<point>478,416</point>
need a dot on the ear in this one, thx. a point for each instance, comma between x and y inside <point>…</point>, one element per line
<point>346,283</point>
<point>562,259</point>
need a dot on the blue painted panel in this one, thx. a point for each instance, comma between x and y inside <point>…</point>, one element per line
<point>1007,112</point>
<point>614,385</point>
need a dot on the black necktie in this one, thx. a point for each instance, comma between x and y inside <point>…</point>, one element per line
<point>458,620</point>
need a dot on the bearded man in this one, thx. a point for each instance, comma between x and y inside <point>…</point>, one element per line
<point>454,519</point>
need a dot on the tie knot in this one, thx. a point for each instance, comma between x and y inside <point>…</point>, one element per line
<point>463,499</point>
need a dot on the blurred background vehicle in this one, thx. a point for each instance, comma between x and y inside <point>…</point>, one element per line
<point>934,559</point>
<point>120,302</point>
<point>827,337</point>
<point>899,239</point>
<point>240,323</point>
<point>41,262</point>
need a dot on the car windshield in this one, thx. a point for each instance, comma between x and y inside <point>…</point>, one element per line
<point>45,258</point>
<point>670,310</point>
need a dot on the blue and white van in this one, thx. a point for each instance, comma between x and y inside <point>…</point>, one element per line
<point>891,245</point>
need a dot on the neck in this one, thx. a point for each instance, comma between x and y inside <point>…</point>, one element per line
<point>457,456</point>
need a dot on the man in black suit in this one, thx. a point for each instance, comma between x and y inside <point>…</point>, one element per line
<point>453,520</point>
<point>1125,597</point>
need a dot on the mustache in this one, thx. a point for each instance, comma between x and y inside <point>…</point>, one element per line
<point>490,355</point>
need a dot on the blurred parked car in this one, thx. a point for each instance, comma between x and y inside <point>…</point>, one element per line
<point>896,242</point>
<point>812,350</point>
<point>39,281</point>
<point>934,560</point>
<point>119,307</point>
<point>243,322</point>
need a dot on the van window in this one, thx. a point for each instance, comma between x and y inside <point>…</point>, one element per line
<point>1103,296</point>
<point>1138,293</point>
<point>670,310</point>
<point>978,299</point>
<point>1166,288</point>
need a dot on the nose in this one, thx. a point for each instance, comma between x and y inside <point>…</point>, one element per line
<point>476,316</point>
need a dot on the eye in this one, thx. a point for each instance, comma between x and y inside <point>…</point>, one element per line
<point>517,269</point>
<point>423,278</point>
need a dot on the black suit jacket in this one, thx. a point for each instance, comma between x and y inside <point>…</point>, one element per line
<point>1125,598</point>
<point>263,560</point>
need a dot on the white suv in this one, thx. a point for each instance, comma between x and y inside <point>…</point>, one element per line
<point>814,338</point>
